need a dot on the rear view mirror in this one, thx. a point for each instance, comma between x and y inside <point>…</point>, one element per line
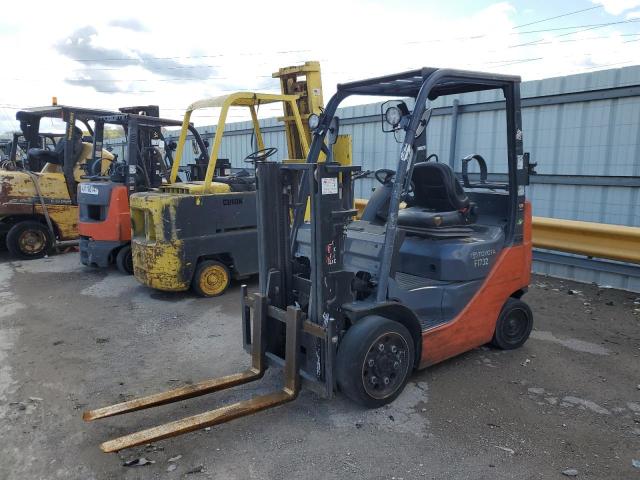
<point>334,130</point>
<point>194,147</point>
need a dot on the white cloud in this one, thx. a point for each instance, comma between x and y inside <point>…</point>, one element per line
<point>632,15</point>
<point>616,7</point>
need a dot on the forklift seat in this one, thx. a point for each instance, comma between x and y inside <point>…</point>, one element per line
<point>44,156</point>
<point>56,156</point>
<point>438,200</point>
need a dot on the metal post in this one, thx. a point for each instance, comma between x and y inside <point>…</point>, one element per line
<point>98,137</point>
<point>132,156</point>
<point>454,134</point>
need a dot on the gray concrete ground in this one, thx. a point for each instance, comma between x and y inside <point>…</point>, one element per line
<point>73,338</point>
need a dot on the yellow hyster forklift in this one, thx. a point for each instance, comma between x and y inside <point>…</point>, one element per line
<point>356,306</point>
<point>200,234</point>
<point>38,208</point>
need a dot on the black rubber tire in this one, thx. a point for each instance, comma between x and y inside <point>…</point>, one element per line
<point>204,288</point>
<point>124,260</point>
<point>352,354</point>
<point>514,325</point>
<point>18,230</point>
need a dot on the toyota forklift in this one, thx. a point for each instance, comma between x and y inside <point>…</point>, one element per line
<point>201,234</point>
<point>355,306</point>
<point>38,208</point>
<point>105,220</point>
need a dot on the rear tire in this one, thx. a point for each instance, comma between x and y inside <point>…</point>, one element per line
<point>124,260</point>
<point>211,278</point>
<point>513,326</point>
<point>375,359</point>
<point>29,240</point>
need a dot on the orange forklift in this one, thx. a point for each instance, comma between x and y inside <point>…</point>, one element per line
<point>355,306</point>
<point>105,219</point>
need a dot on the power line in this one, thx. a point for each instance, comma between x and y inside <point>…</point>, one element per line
<point>592,27</point>
<point>471,37</point>
<point>558,16</point>
<point>570,40</point>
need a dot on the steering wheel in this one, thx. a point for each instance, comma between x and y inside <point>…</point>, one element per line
<point>260,155</point>
<point>384,175</point>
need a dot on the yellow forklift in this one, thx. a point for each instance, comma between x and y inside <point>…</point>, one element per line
<point>38,208</point>
<point>200,234</point>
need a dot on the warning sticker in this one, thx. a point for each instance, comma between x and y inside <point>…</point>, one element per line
<point>329,186</point>
<point>88,189</point>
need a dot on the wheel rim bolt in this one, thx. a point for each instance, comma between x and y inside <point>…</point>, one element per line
<point>371,363</point>
<point>386,380</point>
<point>374,380</point>
<point>396,365</point>
<point>394,349</point>
<point>381,347</point>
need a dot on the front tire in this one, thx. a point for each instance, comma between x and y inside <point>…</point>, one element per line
<point>211,278</point>
<point>375,359</point>
<point>513,326</point>
<point>29,240</point>
<point>124,260</point>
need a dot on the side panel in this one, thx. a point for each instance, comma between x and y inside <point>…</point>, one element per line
<point>474,326</point>
<point>173,231</point>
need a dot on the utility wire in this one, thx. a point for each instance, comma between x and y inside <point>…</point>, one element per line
<point>469,37</point>
<point>592,27</point>
<point>558,16</point>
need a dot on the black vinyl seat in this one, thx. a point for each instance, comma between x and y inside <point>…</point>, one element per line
<point>44,156</point>
<point>56,156</point>
<point>438,200</point>
<point>242,181</point>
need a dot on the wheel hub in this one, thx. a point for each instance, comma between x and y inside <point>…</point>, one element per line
<point>32,241</point>
<point>385,365</point>
<point>214,280</point>
<point>515,326</point>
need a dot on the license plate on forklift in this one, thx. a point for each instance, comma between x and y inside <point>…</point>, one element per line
<point>88,189</point>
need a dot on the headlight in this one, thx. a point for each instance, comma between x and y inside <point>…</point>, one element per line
<point>314,121</point>
<point>393,116</point>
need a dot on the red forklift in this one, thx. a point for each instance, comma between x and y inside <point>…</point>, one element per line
<point>355,306</point>
<point>105,219</point>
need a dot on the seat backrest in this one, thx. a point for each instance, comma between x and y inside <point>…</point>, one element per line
<point>436,187</point>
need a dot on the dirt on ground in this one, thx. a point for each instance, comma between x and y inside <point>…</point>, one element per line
<point>73,338</point>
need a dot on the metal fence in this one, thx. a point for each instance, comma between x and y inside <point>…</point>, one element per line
<point>583,130</point>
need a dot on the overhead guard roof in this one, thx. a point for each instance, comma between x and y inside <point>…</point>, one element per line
<point>242,99</point>
<point>143,120</point>
<point>56,111</point>
<point>407,84</point>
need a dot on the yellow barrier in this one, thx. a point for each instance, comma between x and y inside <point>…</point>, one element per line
<point>615,242</point>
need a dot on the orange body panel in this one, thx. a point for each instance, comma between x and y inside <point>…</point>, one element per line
<point>117,224</point>
<point>475,324</point>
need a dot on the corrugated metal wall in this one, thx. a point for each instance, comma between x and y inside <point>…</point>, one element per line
<point>583,130</point>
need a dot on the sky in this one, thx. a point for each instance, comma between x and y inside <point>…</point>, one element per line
<point>136,53</point>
